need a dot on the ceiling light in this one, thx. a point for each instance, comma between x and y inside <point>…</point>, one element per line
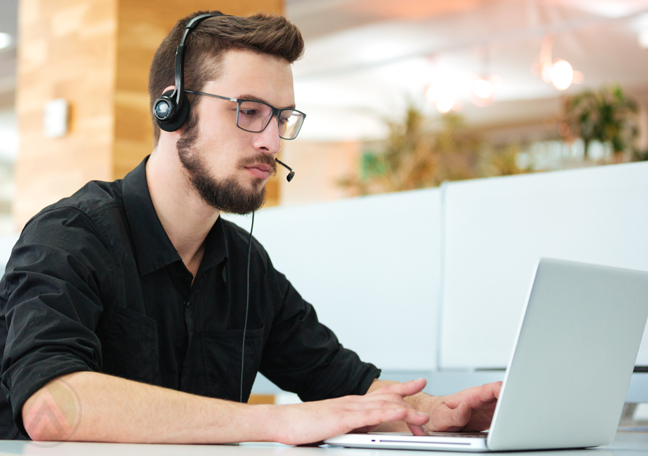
<point>643,39</point>
<point>441,93</point>
<point>431,93</point>
<point>483,88</point>
<point>445,101</point>
<point>5,40</point>
<point>562,75</point>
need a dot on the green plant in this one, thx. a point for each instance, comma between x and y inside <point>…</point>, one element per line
<point>607,115</point>
<point>416,156</point>
<point>640,155</point>
<point>502,161</point>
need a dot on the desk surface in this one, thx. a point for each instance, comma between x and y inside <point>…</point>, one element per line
<point>625,444</point>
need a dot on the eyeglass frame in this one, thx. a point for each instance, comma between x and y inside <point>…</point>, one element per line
<point>275,111</point>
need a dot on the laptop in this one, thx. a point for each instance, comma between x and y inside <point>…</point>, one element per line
<point>568,376</point>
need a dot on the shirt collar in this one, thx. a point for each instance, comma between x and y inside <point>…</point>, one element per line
<point>154,249</point>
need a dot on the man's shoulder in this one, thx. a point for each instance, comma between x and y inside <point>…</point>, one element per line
<point>87,207</point>
<point>94,197</point>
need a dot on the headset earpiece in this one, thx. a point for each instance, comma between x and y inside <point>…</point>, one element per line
<point>169,117</point>
<point>171,110</point>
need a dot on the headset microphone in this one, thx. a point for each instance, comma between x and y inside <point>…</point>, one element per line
<point>290,175</point>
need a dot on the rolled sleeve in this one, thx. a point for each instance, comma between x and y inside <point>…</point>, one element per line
<point>50,299</point>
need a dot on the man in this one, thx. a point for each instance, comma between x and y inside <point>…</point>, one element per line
<point>125,307</point>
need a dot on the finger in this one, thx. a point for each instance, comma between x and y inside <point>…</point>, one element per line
<point>372,410</point>
<point>445,418</point>
<point>405,412</point>
<point>416,421</point>
<point>475,396</point>
<point>385,396</point>
<point>418,430</point>
<point>366,419</point>
<point>403,389</point>
<point>497,388</point>
<point>379,402</point>
<point>408,414</point>
<point>489,392</point>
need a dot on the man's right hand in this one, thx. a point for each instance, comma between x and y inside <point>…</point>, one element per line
<point>315,421</point>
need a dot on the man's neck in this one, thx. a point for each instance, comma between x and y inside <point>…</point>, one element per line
<point>185,217</point>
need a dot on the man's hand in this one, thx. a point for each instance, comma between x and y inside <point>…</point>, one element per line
<point>468,410</point>
<point>315,421</point>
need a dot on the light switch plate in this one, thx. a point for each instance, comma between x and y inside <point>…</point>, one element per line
<point>55,118</point>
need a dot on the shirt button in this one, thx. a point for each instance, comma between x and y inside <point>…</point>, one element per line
<point>187,303</point>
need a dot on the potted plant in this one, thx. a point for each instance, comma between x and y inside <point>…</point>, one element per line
<point>607,116</point>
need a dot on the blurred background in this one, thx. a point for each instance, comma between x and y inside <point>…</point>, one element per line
<point>399,95</point>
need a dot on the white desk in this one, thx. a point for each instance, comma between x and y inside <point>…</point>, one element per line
<point>625,444</point>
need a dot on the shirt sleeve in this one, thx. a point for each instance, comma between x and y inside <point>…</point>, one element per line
<point>304,356</point>
<point>50,301</point>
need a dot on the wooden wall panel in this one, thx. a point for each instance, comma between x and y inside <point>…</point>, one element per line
<point>67,50</point>
<point>96,54</point>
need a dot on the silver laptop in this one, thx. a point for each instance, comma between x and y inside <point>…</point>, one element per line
<point>568,376</point>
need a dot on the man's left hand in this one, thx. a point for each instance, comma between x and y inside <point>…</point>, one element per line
<point>468,410</point>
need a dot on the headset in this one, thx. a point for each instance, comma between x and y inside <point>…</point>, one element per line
<point>171,110</point>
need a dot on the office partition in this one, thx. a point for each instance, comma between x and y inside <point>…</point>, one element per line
<point>495,231</point>
<point>6,245</point>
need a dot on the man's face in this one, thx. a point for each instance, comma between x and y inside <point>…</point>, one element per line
<point>227,166</point>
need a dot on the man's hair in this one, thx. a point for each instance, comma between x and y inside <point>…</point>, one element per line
<point>206,45</point>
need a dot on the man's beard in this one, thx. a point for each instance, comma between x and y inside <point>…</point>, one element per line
<point>226,195</point>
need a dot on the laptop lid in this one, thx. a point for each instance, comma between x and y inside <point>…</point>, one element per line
<point>574,356</point>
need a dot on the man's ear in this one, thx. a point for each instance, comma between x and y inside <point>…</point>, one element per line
<point>166,89</point>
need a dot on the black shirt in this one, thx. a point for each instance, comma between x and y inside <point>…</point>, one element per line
<point>95,284</point>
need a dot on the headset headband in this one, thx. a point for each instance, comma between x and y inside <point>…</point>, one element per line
<point>179,60</point>
<point>171,110</point>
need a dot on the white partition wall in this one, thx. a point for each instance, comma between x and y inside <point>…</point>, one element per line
<point>7,243</point>
<point>497,229</point>
<point>370,266</point>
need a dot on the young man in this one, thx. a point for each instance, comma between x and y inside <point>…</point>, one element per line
<point>125,307</point>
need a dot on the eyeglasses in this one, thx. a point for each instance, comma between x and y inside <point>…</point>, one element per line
<point>254,116</point>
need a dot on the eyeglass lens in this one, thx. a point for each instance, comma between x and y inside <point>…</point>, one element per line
<point>254,117</point>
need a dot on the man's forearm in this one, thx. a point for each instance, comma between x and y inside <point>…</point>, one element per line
<point>89,406</point>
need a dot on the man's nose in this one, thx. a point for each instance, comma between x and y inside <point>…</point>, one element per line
<point>269,140</point>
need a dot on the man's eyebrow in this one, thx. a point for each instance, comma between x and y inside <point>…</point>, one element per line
<point>246,96</point>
